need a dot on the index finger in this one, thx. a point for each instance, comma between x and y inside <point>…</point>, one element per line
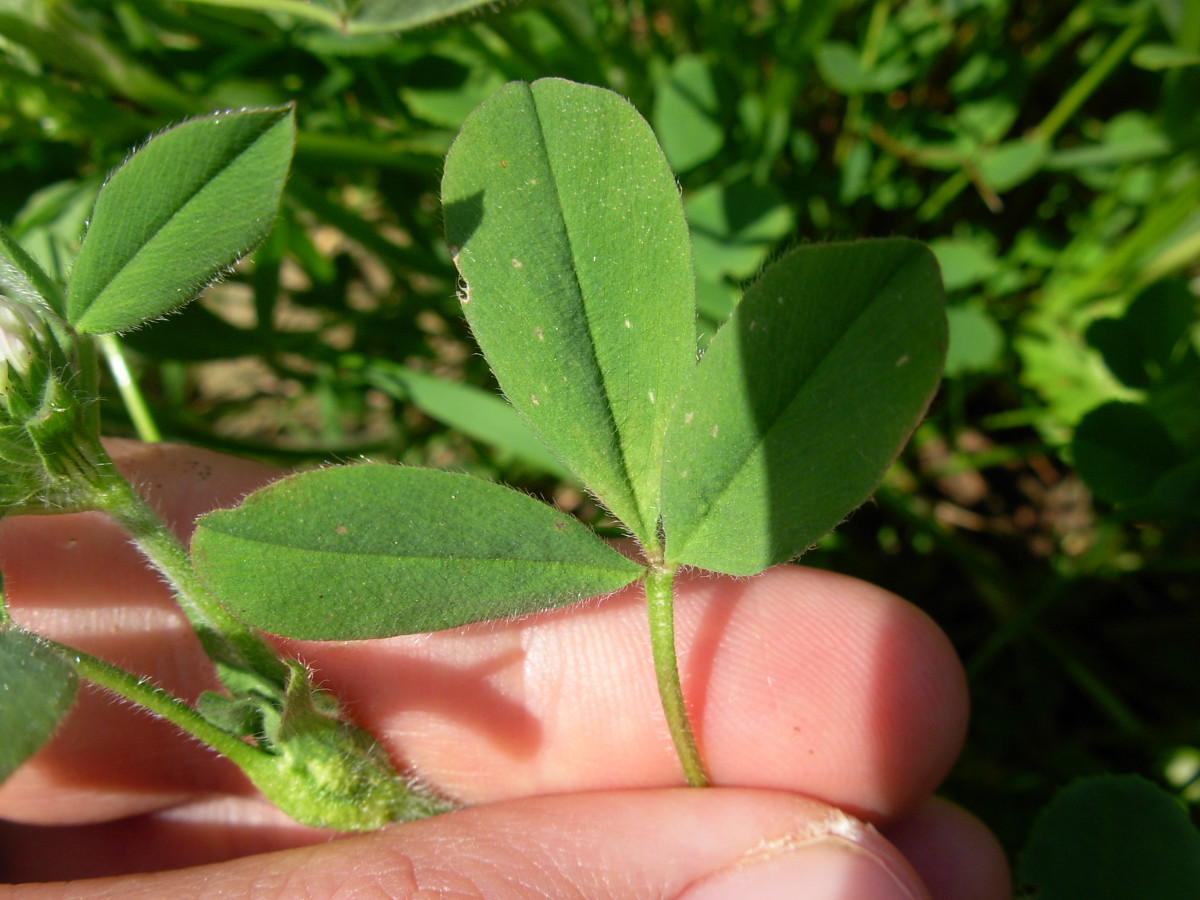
<point>797,680</point>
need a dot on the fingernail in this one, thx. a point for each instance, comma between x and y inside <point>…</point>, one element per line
<point>838,864</point>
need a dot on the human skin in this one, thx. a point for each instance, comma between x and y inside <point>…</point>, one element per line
<point>820,703</point>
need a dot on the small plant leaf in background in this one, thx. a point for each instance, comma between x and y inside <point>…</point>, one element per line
<point>976,341</point>
<point>842,67</point>
<point>49,226</point>
<point>1177,492</point>
<point>1143,345</point>
<point>368,16</point>
<point>475,412</point>
<point>177,213</point>
<point>685,114</point>
<point>38,689</point>
<point>964,262</point>
<point>1121,450</point>
<point>838,63</point>
<point>1012,163</point>
<point>354,17</point>
<point>383,550</point>
<point>801,402</point>
<point>445,87</point>
<point>578,273</point>
<point>1112,837</point>
<point>1164,56</point>
<point>735,227</point>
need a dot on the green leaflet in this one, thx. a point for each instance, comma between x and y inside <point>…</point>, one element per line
<point>571,239</point>
<point>1121,450</point>
<point>23,279</point>
<point>178,212</point>
<point>369,16</point>
<point>1112,837</point>
<point>38,687</point>
<point>686,114</point>
<point>361,16</point>
<point>375,550</point>
<point>801,402</point>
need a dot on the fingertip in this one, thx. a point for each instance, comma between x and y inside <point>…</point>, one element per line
<point>811,681</point>
<point>956,855</point>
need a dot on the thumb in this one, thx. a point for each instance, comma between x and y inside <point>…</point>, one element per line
<point>667,843</point>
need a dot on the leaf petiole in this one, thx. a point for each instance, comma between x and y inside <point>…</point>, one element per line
<point>660,582</point>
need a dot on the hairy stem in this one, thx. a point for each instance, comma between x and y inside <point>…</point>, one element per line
<point>328,774</point>
<point>138,690</point>
<point>660,607</point>
<point>228,642</point>
<point>307,759</point>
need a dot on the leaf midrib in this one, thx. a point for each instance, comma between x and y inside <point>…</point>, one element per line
<point>609,412</point>
<point>383,554</point>
<point>200,189</point>
<point>764,435</point>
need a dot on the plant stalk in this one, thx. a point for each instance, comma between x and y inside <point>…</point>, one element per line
<point>228,642</point>
<point>328,774</point>
<point>247,757</point>
<point>660,607</point>
<point>131,394</point>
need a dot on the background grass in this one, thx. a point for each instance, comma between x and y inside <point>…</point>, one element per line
<point>1046,513</point>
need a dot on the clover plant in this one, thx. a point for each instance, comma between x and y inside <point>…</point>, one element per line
<point>567,227</point>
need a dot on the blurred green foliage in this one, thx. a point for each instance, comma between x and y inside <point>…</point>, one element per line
<point>1046,514</point>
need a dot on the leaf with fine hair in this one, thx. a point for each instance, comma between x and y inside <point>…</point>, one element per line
<point>372,550</point>
<point>21,278</point>
<point>571,238</point>
<point>180,211</point>
<point>37,687</point>
<point>801,402</point>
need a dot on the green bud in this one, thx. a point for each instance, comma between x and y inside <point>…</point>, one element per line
<point>24,335</point>
<point>45,439</point>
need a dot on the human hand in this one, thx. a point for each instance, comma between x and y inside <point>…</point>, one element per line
<point>819,702</point>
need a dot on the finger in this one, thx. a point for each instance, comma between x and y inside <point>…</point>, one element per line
<point>182,483</point>
<point>702,845</point>
<point>797,680</point>
<point>193,833</point>
<point>955,854</point>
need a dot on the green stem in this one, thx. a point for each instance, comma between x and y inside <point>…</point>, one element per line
<point>301,9</point>
<point>1067,106</point>
<point>1087,84</point>
<point>229,643</point>
<point>660,608</point>
<point>247,757</point>
<point>131,394</point>
<point>327,774</point>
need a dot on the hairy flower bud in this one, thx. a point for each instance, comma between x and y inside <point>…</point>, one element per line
<point>23,337</point>
<point>43,432</point>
